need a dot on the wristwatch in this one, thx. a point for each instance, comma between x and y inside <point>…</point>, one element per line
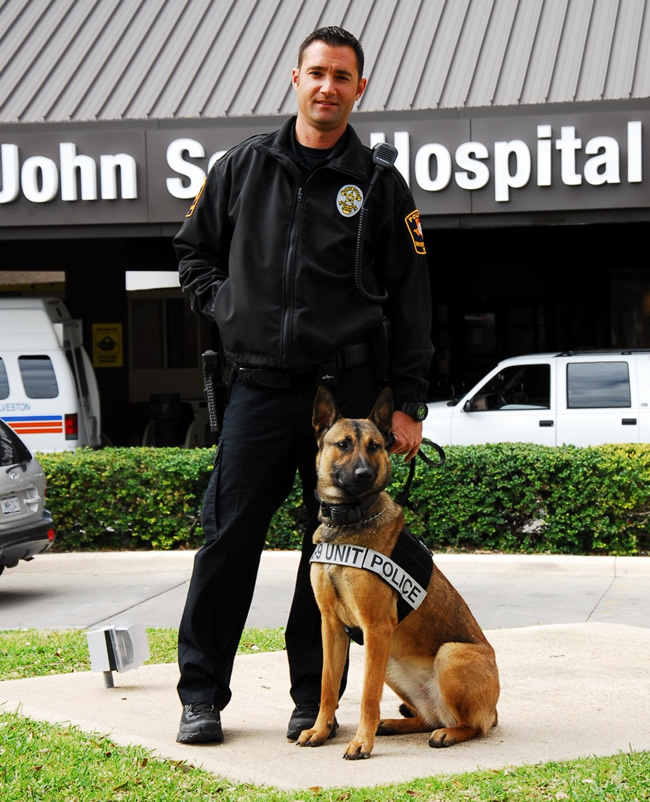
<point>418,410</point>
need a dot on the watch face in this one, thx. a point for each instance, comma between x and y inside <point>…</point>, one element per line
<point>417,411</point>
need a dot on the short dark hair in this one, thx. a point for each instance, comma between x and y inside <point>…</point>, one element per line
<point>334,36</point>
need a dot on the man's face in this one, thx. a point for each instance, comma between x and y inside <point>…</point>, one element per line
<point>327,84</point>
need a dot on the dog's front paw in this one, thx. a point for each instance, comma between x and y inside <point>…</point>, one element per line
<point>311,738</point>
<point>357,750</point>
<point>317,735</point>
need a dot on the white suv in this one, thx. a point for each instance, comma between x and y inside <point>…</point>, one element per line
<point>581,398</point>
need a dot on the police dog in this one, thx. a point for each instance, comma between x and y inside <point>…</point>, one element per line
<point>436,658</point>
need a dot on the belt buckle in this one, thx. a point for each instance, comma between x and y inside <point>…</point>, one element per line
<point>328,374</point>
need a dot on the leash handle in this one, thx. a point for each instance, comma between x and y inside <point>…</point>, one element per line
<point>442,457</point>
<point>403,496</point>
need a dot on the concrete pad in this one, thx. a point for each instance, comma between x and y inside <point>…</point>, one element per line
<point>568,691</point>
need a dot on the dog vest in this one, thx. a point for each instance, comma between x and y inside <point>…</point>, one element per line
<point>407,570</point>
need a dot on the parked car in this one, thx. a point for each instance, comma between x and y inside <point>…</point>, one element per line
<point>581,398</point>
<point>26,527</point>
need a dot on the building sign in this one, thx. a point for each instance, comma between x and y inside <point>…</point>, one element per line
<point>496,167</point>
<point>98,174</point>
<point>67,176</point>
<point>107,348</point>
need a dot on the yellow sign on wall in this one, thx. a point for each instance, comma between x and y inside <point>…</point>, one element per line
<point>108,350</point>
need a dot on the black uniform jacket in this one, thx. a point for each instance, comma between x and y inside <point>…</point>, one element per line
<point>267,253</point>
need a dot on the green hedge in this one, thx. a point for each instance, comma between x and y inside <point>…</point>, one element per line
<point>516,497</point>
<point>126,498</point>
<point>508,497</point>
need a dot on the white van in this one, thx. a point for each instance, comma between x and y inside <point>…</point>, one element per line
<point>582,398</point>
<point>48,389</point>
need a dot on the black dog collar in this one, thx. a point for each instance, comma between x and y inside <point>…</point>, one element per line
<point>345,514</point>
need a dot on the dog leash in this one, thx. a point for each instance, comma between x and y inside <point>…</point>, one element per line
<point>403,497</point>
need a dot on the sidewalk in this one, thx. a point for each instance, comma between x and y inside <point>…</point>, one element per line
<point>503,590</point>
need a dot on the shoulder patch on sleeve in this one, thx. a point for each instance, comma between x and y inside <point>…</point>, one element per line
<point>415,230</point>
<point>190,211</point>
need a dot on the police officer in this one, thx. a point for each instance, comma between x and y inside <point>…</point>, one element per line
<point>267,252</point>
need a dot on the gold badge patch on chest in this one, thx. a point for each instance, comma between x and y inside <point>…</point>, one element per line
<point>349,200</point>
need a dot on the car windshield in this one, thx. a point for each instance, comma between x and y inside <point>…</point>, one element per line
<point>516,387</point>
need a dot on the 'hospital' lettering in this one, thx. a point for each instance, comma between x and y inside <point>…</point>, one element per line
<point>515,164</point>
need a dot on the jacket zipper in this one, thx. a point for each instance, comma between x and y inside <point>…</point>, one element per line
<point>288,281</point>
<point>286,330</point>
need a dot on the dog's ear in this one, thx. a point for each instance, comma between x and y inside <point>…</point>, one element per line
<point>325,413</point>
<point>382,414</point>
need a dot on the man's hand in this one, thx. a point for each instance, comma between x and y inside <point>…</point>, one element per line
<point>408,435</point>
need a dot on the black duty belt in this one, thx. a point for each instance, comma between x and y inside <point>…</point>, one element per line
<point>350,356</point>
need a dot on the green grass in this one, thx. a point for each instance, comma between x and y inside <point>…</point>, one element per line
<point>35,653</point>
<point>53,763</point>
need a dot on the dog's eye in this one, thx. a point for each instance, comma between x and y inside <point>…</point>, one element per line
<point>373,447</point>
<point>343,445</point>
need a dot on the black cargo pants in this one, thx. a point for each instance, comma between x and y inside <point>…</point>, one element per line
<point>267,435</point>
